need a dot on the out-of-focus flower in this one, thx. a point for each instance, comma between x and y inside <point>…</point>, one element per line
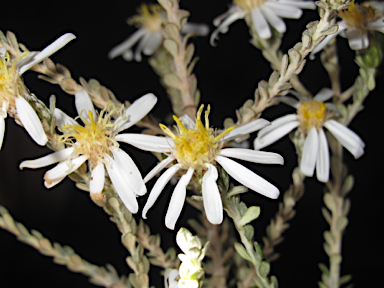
<point>13,90</point>
<point>96,142</point>
<point>149,35</point>
<point>191,271</point>
<point>311,117</point>
<point>357,23</point>
<point>262,14</point>
<point>197,149</point>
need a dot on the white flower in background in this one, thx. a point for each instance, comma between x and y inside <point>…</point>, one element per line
<point>357,23</point>
<point>96,142</point>
<point>197,149</point>
<point>263,14</point>
<point>12,88</point>
<point>311,117</point>
<point>149,37</point>
<point>170,276</point>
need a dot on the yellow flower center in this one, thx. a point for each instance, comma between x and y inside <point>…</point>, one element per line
<point>148,18</point>
<point>358,16</point>
<point>196,146</point>
<point>311,114</point>
<point>10,81</point>
<point>248,5</point>
<point>93,139</point>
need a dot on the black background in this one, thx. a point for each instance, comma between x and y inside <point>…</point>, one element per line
<point>227,76</point>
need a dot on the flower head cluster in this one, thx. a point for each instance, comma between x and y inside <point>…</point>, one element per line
<point>149,21</point>
<point>357,23</point>
<point>197,149</point>
<point>13,90</point>
<point>311,117</point>
<point>262,14</point>
<point>96,142</point>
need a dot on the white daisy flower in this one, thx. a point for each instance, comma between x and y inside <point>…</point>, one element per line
<point>96,142</point>
<point>197,150</point>
<point>12,88</point>
<point>357,23</point>
<point>262,13</point>
<point>311,117</point>
<point>150,20</point>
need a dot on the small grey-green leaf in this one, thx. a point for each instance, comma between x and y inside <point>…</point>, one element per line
<point>342,223</point>
<point>264,268</point>
<point>189,51</point>
<point>236,190</point>
<point>251,214</point>
<point>324,268</point>
<point>171,47</point>
<point>242,251</point>
<point>249,231</point>
<point>172,31</point>
<point>344,279</point>
<point>335,259</point>
<point>330,30</point>
<point>326,215</point>
<point>329,202</point>
<point>284,65</point>
<point>172,81</point>
<point>347,185</point>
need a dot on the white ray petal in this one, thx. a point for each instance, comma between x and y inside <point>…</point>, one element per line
<point>195,28</point>
<point>63,119</point>
<point>275,21</point>
<point>147,142</point>
<point>260,24</point>
<point>283,10</point>
<point>290,101</point>
<point>246,129</point>
<point>253,156</point>
<point>129,170</point>
<point>48,51</point>
<point>96,183</point>
<point>84,104</point>
<point>213,205</point>
<point>158,187</point>
<point>140,47</point>
<point>48,159</point>
<point>30,121</point>
<point>160,166</point>
<point>134,113</point>
<point>62,169</point>
<point>153,43</point>
<point>177,200</point>
<point>349,139</point>
<point>223,27</point>
<point>127,44</point>
<point>3,115</point>
<point>274,134</point>
<point>322,161</point>
<point>357,40</point>
<point>248,178</point>
<point>310,151</point>
<point>300,4</point>
<point>53,183</point>
<point>128,55</point>
<point>323,95</point>
<point>281,121</point>
<point>122,185</point>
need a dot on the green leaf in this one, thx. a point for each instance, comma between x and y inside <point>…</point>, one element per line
<point>172,80</point>
<point>249,231</point>
<point>251,214</point>
<point>329,202</point>
<point>242,252</point>
<point>264,268</point>
<point>342,223</point>
<point>237,190</point>
<point>171,47</point>
<point>344,279</point>
<point>172,31</point>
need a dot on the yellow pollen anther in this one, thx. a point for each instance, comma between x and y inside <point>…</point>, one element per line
<point>311,114</point>
<point>196,146</point>
<point>94,138</point>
